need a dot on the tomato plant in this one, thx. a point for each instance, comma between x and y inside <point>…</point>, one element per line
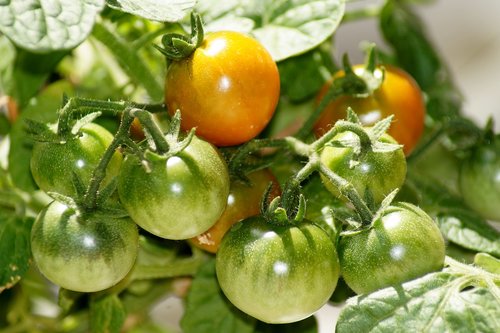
<point>228,88</point>
<point>277,273</point>
<point>53,163</point>
<point>80,252</point>
<point>243,201</point>
<point>398,95</point>
<point>243,77</point>
<point>402,244</point>
<point>378,173</point>
<point>180,196</point>
<point>480,179</point>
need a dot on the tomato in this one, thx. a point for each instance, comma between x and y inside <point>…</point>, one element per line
<point>403,244</point>
<point>377,172</point>
<point>277,273</point>
<point>243,201</point>
<point>480,180</point>
<point>398,95</point>
<point>53,163</point>
<point>228,88</point>
<point>181,196</point>
<point>83,252</point>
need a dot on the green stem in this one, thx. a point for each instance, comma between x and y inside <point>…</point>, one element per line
<point>152,128</point>
<point>421,148</point>
<point>363,13</point>
<point>348,190</point>
<point>130,61</point>
<point>344,126</point>
<point>90,198</point>
<point>251,147</point>
<point>149,37</point>
<point>333,93</point>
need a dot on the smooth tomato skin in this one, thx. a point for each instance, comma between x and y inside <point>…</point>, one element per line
<point>402,245</point>
<point>243,201</point>
<point>228,88</point>
<point>52,163</point>
<point>83,254</point>
<point>182,196</point>
<point>479,180</point>
<point>277,274</point>
<point>398,94</point>
<point>378,172</point>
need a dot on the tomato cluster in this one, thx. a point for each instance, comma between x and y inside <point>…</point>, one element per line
<point>271,263</point>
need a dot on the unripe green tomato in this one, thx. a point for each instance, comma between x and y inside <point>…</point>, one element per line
<point>404,244</point>
<point>480,180</point>
<point>53,163</point>
<point>180,196</point>
<point>377,172</point>
<point>277,273</point>
<point>85,253</point>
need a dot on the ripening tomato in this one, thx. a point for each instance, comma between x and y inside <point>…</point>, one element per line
<point>243,201</point>
<point>398,95</point>
<point>228,88</point>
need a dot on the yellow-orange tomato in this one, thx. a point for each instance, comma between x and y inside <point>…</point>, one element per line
<point>243,201</point>
<point>398,94</point>
<point>228,88</point>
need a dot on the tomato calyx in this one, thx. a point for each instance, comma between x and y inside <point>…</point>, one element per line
<point>350,84</point>
<point>178,46</point>
<point>281,211</point>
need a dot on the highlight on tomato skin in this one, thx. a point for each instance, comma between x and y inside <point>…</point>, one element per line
<point>398,95</point>
<point>228,88</point>
<point>243,202</point>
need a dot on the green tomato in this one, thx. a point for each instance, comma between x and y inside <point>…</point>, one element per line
<point>53,163</point>
<point>180,196</point>
<point>377,172</point>
<point>277,273</point>
<point>83,252</point>
<point>403,244</point>
<point>480,180</point>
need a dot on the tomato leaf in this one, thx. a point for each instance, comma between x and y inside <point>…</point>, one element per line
<point>15,251</point>
<point>42,108</point>
<point>107,314</point>
<point>159,258</point>
<point>487,262</point>
<point>208,311</point>
<point>285,28</point>
<point>302,76</point>
<point>447,301</point>
<point>53,25</point>
<point>467,229</point>
<point>163,11</point>
<point>459,224</point>
<point>405,33</point>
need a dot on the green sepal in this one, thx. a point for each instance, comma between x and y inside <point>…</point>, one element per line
<point>85,120</point>
<point>177,46</point>
<point>39,131</point>
<point>488,263</point>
